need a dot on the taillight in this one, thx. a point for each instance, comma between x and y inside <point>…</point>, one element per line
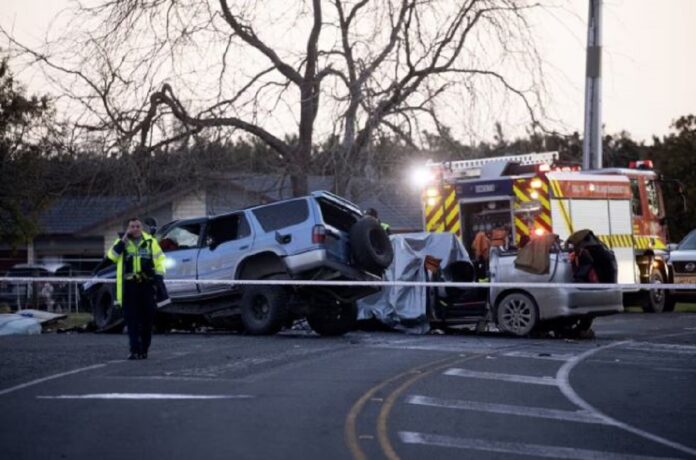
<point>318,234</point>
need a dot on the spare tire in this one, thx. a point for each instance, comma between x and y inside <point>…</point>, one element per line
<point>370,245</point>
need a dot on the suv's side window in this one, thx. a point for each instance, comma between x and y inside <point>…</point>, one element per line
<point>285,214</point>
<point>228,228</point>
<point>181,237</point>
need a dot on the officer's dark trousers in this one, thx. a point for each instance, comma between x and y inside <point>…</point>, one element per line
<point>139,310</point>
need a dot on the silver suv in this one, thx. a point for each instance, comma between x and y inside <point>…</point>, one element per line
<point>317,237</point>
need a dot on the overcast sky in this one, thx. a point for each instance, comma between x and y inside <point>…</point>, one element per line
<point>649,67</point>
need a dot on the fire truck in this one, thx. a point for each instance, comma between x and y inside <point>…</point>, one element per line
<point>533,194</point>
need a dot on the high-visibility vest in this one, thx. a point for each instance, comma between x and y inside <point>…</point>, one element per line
<point>145,258</point>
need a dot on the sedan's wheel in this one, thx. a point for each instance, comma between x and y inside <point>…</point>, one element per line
<point>655,299</point>
<point>517,314</point>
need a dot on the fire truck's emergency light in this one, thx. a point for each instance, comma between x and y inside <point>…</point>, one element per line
<point>539,231</point>
<point>422,176</point>
<point>536,183</point>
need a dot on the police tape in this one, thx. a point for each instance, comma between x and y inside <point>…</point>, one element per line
<point>375,283</point>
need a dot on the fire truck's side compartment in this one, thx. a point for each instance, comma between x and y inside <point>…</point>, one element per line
<point>484,214</point>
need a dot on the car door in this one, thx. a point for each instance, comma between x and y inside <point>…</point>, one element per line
<point>227,240</point>
<point>181,244</point>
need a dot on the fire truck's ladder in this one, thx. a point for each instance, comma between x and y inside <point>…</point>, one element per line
<point>473,167</point>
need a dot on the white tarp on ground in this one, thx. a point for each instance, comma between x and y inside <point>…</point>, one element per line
<point>26,322</point>
<point>11,324</point>
<point>403,308</point>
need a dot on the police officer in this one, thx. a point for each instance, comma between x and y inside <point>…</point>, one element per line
<point>139,267</point>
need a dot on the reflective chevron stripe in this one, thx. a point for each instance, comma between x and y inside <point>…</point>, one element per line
<point>617,241</point>
<point>526,193</point>
<point>649,242</point>
<point>441,217</point>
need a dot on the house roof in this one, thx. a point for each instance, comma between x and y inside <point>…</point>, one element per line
<point>397,206</point>
<point>399,210</point>
<point>69,215</point>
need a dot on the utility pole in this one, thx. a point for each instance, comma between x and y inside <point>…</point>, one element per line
<point>592,142</point>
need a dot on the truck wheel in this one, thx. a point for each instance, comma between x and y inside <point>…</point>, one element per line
<point>517,314</point>
<point>333,320</point>
<point>264,309</point>
<point>670,302</point>
<point>655,299</point>
<point>107,318</point>
<point>371,247</point>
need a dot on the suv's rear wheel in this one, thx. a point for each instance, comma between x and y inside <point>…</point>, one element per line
<point>264,309</point>
<point>333,320</point>
<point>371,247</point>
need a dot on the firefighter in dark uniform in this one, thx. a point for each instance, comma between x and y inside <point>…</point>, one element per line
<point>139,268</point>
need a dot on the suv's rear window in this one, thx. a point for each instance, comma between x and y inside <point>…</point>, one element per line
<point>336,216</point>
<point>281,215</point>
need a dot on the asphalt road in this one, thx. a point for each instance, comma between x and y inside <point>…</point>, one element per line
<point>631,393</point>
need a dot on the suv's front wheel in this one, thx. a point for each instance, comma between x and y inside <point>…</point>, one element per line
<point>333,320</point>
<point>264,309</point>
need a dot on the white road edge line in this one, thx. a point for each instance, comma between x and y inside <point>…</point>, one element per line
<point>503,377</point>
<point>517,448</point>
<point>563,379</point>
<point>50,377</point>
<point>663,347</point>
<point>145,396</point>
<point>524,411</point>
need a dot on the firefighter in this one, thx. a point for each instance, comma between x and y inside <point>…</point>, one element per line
<point>481,247</point>
<point>139,268</point>
<point>372,212</point>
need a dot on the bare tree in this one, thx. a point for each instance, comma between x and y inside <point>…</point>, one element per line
<point>142,75</point>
